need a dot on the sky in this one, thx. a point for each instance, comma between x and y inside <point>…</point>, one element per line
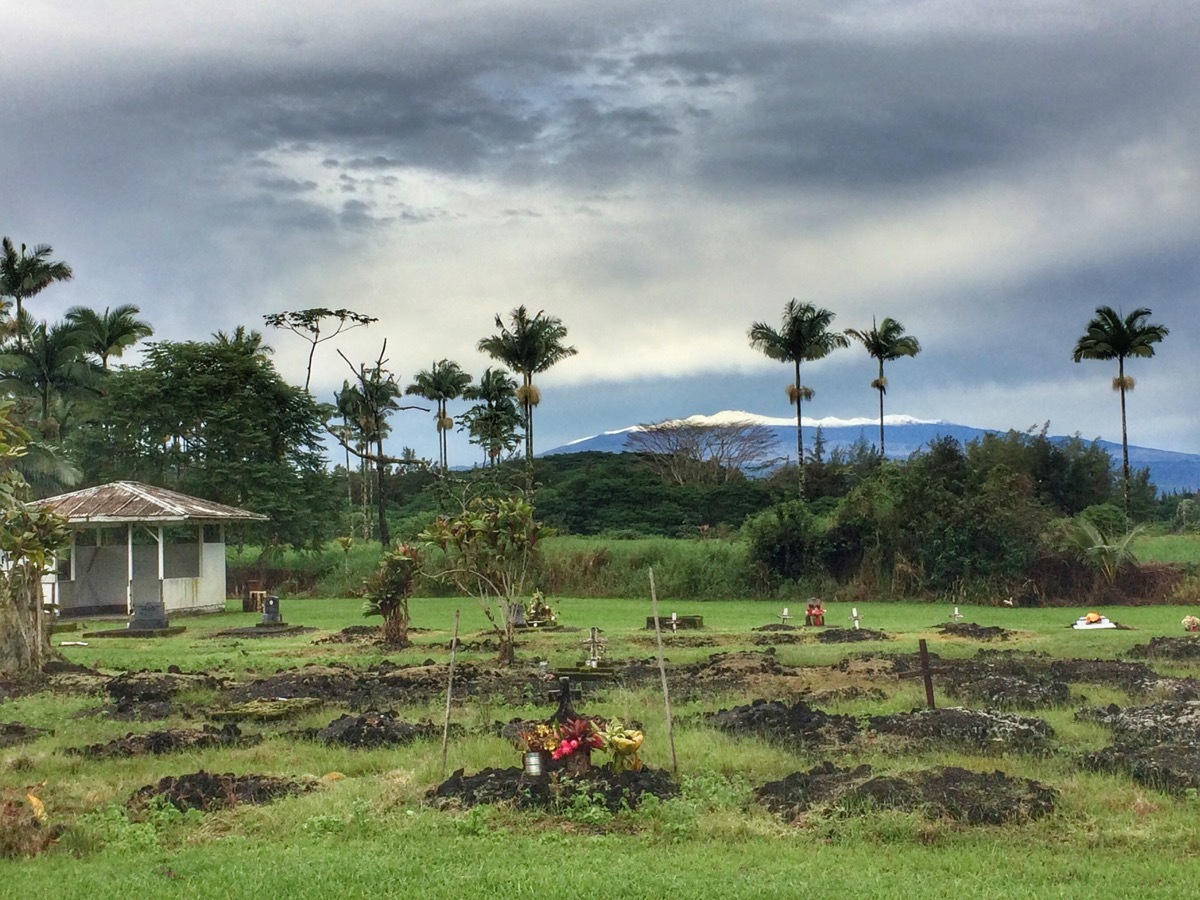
<point>659,175</point>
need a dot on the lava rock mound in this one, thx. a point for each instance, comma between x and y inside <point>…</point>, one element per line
<point>373,729</point>
<point>974,798</point>
<point>612,790</point>
<point>975,632</point>
<point>207,791</point>
<point>1010,693</point>
<point>13,733</point>
<point>1168,648</point>
<point>850,635</point>
<point>970,728</point>
<point>779,721</point>
<point>169,741</point>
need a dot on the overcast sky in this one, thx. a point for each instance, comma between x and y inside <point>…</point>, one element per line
<point>659,175</point>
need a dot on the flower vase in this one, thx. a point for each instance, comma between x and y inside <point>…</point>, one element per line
<point>534,762</point>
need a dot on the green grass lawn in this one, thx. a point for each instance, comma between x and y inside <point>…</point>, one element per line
<point>369,834</point>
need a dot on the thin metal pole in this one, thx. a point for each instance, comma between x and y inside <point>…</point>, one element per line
<point>449,693</point>
<point>662,672</point>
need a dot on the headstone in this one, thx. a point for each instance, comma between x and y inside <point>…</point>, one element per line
<point>148,615</point>
<point>516,613</point>
<point>271,614</point>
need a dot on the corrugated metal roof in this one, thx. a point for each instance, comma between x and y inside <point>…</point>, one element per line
<point>129,501</point>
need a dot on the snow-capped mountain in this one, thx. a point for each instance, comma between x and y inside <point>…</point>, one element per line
<point>1169,470</point>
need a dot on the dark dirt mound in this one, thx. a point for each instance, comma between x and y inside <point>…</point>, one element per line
<point>612,790</point>
<point>267,710</point>
<point>1169,648</point>
<point>207,791</point>
<point>386,685</point>
<point>1173,768</point>
<point>355,634</point>
<point>1173,721</point>
<point>254,632</point>
<point>158,742</point>
<point>1009,693</point>
<point>850,635</point>
<point>373,729</point>
<point>776,627</point>
<point>769,640</point>
<point>776,720</point>
<point>847,694</point>
<point>975,798</point>
<point>976,632</point>
<point>13,733</point>
<point>146,686</point>
<point>970,728</point>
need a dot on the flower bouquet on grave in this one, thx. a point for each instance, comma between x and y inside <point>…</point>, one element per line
<point>1191,623</point>
<point>540,738</point>
<point>623,743</point>
<point>577,739</point>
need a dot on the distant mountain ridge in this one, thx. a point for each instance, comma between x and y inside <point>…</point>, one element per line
<point>1170,471</point>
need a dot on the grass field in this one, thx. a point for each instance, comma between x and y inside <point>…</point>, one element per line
<point>369,834</point>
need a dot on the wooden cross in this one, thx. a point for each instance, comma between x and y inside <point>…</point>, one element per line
<point>595,645</point>
<point>564,693</point>
<point>784,616</point>
<point>925,672</point>
<point>855,617</point>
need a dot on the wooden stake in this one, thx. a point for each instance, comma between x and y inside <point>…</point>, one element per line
<point>449,693</point>
<point>662,671</point>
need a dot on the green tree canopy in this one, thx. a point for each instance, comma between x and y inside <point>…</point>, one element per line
<point>213,418</point>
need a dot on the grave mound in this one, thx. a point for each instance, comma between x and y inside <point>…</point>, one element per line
<point>975,632</point>
<point>168,741</point>
<point>1168,648</point>
<point>207,791</point>
<point>850,635</point>
<point>1172,767</point>
<point>612,790</point>
<point>973,798</point>
<point>778,721</point>
<point>13,733</point>
<point>355,634</point>
<point>372,729</point>
<point>1170,722</point>
<point>968,728</point>
<point>1009,693</point>
<point>23,828</point>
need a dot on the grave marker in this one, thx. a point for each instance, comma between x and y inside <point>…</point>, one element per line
<point>925,672</point>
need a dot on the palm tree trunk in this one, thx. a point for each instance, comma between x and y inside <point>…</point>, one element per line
<point>1124,442</point>
<point>881,390</point>
<point>385,537</point>
<point>527,403</point>
<point>799,432</point>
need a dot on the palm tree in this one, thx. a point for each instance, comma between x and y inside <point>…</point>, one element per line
<point>803,335</point>
<point>111,332</point>
<point>50,367</point>
<point>494,421</point>
<point>885,342</point>
<point>24,274</point>
<point>528,346</point>
<point>442,382</point>
<point>1109,336</point>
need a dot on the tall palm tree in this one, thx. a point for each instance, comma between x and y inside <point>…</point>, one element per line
<point>494,421</point>
<point>803,335</point>
<point>885,342</point>
<point>528,346</point>
<point>24,274</point>
<point>111,332</point>
<point>1109,336</point>
<point>442,382</point>
<point>51,367</point>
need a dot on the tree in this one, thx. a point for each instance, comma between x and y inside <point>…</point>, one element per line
<point>29,536</point>
<point>27,273</point>
<point>885,342</point>
<point>442,382</point>
<point>50,367</point>
<point>215,419</point>
<point>388,590</point>
<point>494,422</point>
<point>307,324</point>
<point>685,452</point>
<point>1109,336</point>
<point>528,346</point>
<point>109,333</point>
<point>803,335</point>
<point>488,551</point>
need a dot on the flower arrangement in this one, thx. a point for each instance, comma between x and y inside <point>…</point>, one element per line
<point>623,743</point>
<point>539,609</point>
<point>537,739</point>
<point>1191,623</point>
<point>579,735</point>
